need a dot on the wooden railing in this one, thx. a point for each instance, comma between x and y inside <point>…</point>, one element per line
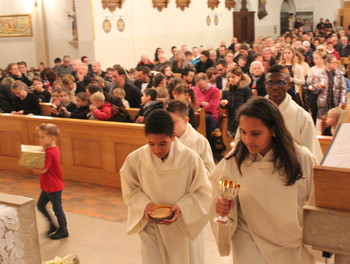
<point>91,151</point>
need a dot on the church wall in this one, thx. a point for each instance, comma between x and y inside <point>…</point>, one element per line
<point>14,49</point>
<point>146,29</point>
<point>59,29</point>
<point>55,36</point>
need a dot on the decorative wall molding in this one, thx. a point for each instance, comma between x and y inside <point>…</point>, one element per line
<point>230,4</point>
<point>213,4</point>
<point>160,4</point>
<point>112,4</point>
<point>182,4</point>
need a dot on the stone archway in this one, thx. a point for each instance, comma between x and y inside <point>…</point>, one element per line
<point>287,7</point>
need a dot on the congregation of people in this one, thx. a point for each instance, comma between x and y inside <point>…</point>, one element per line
<point>276,93</point>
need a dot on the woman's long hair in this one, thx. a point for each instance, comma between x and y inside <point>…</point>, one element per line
<point>284,154</point>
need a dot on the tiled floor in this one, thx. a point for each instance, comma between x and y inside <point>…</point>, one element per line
<point>96,219</point>
<point>80,198</point>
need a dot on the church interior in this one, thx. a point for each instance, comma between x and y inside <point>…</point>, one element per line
<point>117,33</point>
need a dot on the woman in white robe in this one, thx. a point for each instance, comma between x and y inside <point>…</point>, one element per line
<point>276,180</point>
<point>166,172</point>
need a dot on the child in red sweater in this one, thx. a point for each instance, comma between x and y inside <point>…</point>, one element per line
<point>99,109</point>
<point>51,181</point>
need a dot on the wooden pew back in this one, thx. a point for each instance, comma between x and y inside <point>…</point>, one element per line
<point>91,151</point>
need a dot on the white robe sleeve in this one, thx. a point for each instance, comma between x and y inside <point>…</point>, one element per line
<point>195,204</point>
<point>223,234</point>
<point>133,196</point>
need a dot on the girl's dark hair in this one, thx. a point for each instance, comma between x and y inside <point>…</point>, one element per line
<point>182,88</point>
<point>158,78</point>
<point>159,122</point>
<point>172,84</point>
<point>156,58</point>
<point>48,74</point>
<point>92,88</point>
<point>284,154</point>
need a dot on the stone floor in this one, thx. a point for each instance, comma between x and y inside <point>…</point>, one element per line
<point>96,219</point>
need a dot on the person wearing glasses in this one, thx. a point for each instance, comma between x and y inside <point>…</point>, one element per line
<point>297,120</point>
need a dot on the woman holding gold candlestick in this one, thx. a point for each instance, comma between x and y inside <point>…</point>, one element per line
<point>275,176</point>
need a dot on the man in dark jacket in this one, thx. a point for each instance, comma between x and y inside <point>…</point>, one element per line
<point>144,78</point>
<point>133,95</point>
<point>6,98</point>
<point>343,48</point>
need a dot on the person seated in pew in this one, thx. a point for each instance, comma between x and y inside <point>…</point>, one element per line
<point>120,79</point>
<point>236,93</point>
<point>65,104</point>
<point>82,109</point>
<point>149,103</point>
<point>186,95</point>
<point>99,108</point>
<point>55,97</point>
<point>188,135</point>
<point>159,84</point>
<point>333,115</point>
<point>208,98</point>
<point>68,82</point>
<point>40,92</point>
<point>120,114</point>
<point>105,85</point>
<point>25,103</point>
<point>165,171</point>
<point>6,96</point>
<point>121,94</point>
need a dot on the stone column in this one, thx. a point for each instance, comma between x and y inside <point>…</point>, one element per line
<point>27,230</point>
<point>328,230</point>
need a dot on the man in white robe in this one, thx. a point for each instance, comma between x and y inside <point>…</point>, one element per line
<point>188,135</point>
<point>297,120</point>
<point>166,171</point>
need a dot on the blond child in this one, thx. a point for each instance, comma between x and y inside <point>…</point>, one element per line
<point>121,94</point>
<point>333,115</point>
<point>99,108</point>
<point>51,181</point>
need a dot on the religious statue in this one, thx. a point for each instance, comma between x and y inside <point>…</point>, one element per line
<point>262,9</point>
<point>74,23</point>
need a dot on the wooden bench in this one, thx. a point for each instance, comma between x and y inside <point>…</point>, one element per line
<point>325,141</point>
<point>132,112</point>
<point>91,151</point>
<point>222,131</point>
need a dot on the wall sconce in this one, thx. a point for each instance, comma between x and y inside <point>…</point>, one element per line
<point>182,4</point>
<point>112,4</point>
<point>213,4</point>
<point>160,4</point>
<point>230,4</point>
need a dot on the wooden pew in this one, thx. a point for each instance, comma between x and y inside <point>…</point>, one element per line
<point>200,122</point>
<point>91,151</point>
<point>222,131</point>
<point>325,141</point>
<point>132,112</point>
